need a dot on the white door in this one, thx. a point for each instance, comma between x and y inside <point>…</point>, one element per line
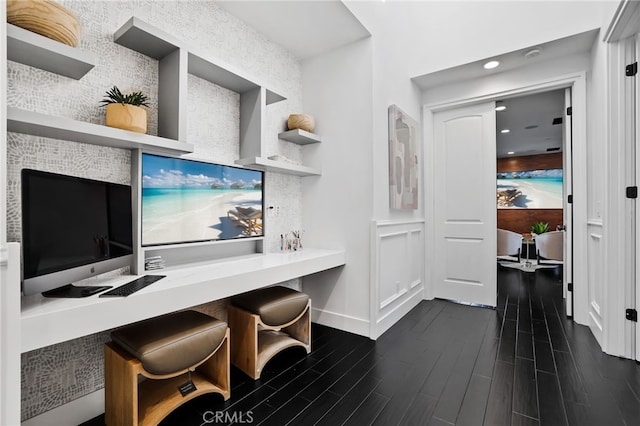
<point>465,206</point>
<point>568,207</point>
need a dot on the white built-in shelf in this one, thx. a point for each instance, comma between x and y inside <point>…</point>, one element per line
<point>32,49</point>
<point>299,136</point>
<point>268,165</point>
<point>47,321</point>
<point>144,38</point>
<point>176,59</point>
<point>37,124</point>
<point>216,72</point>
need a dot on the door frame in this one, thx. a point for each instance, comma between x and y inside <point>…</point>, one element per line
<point>623,270</point>
<point>567,208</point>
<point>577,82</point>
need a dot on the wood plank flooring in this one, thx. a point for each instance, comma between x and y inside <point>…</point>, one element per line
<point>442,364</point>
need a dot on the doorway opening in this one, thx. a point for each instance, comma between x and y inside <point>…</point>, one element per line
<point>452,278</point>
<point>533,137</point>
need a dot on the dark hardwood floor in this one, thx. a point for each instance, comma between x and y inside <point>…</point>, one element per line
<point>442,364</point>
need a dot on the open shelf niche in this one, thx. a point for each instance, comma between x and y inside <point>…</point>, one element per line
<point>32,49</point>
<point>176,61</point>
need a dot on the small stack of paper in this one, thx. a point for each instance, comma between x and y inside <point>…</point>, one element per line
<point>153,262</point>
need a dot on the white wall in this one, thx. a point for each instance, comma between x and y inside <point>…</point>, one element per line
<point>391,85</point>
<point>417,38</point>
<point>337,90</point>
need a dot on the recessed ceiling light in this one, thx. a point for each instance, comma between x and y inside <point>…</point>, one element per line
<point>505,131</point>
<point>501,107</point>
<point>510,152</point>
<point>491,65</point>
<point>533,126</point>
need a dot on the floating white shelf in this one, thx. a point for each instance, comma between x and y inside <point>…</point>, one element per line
<point>32,49</point>
<point>37,124</point>
<point>301,137</point>
<point>268,165</point>
<point>146,39</point>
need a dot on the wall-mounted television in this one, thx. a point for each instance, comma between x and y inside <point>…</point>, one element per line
<point>186,201</point>
<point>530,189</point>
<point>72,228</point>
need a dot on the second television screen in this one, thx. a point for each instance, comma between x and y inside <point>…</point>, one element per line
<point>189,201</point>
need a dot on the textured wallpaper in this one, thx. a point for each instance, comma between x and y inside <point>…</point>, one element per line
<point>58,374</point>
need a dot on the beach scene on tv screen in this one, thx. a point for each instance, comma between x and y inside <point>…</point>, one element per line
<point>532,189</point>
<point>187,201</point>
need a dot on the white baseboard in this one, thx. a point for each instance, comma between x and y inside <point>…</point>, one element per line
<point>341,322</point>
<point>73,413</point>
<point>401,309</point>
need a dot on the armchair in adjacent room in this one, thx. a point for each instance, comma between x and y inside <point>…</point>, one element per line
<point>550,247</point>
<point>509,245</point>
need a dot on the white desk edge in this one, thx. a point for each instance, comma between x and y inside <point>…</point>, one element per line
<point>47,321</point>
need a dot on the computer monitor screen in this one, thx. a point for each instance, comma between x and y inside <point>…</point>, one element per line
<point>72,228</point>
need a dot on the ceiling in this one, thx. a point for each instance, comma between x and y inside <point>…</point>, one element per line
<point>306,28</point>
<point>523,112</point>
<point>520,117</point>
<point>575,44</point>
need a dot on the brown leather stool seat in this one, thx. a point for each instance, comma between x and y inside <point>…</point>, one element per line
<point>173,342</point>
<point>266,321</point>
<point>163,350</point>
<point>274,305</point>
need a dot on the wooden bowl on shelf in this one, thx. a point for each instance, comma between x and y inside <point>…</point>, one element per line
<point>301,121</point>
<point>44,17</point>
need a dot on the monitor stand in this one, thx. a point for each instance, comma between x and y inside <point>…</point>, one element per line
<point>71,291</point>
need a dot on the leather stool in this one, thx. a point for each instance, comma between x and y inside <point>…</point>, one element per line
<point>266,321</point>
<point>147,362</point>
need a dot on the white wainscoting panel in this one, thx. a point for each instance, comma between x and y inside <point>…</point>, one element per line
<point>597,302</point>
<point>397,271</point>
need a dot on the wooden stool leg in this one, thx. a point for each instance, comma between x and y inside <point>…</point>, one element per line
<point>217,370</point>
<point>301,329</point>
<point>244,340</point>
<point>121,387</point>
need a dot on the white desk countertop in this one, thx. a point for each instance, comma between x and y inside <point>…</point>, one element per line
<point>47,321</point>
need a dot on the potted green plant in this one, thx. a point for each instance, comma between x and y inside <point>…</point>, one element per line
<point>539,228</point>
<point>125,111</point>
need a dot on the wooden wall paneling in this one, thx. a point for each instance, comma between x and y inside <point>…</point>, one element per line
<point>520,220</point>
<point>530,162</point>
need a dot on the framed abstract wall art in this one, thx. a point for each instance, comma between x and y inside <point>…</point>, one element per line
<point>404,166</point>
